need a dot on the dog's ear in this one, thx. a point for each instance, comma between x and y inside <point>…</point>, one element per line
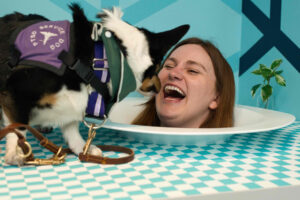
<point>78,13</point>
<point>171,37</point>
<point>161,42</point>
<point>83,44</point>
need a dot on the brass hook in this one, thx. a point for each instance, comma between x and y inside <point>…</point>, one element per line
<point>55,160</point>
<point>19,150</point>
<point>91,136</point>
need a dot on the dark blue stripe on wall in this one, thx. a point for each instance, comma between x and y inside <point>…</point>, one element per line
<point>144,8</point>
<point>272,36</point>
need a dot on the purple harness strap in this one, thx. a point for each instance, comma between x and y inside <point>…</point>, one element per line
<point>96,106</point>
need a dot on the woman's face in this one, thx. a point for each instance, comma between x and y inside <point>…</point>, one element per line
<point>188,88</point>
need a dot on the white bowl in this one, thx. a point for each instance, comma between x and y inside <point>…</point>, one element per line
<point>246,120</point>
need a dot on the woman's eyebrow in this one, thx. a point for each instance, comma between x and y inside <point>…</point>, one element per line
<point>191,62</point>
<point>171,59</point>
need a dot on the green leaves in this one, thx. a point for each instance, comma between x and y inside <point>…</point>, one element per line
<point>267,73</point>
<point>275,64</point>
<point>257,72</point>
<point>266,92</point>
<point>280,80</point>
<point>254,89</point>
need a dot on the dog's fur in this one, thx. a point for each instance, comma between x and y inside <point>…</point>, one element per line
<point>35,96</point>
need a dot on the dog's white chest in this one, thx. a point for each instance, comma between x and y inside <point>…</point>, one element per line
<point>69,106</point>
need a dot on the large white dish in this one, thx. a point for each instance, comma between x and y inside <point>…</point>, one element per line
<point>246,120</point>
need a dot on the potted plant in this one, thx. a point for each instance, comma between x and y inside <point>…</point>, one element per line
<point>267,74</point>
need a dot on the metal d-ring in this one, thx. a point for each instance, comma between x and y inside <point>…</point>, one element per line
<point>27,154</point>
<point>94,127</point>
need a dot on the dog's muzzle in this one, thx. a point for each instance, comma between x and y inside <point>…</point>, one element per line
<point>151,84</point>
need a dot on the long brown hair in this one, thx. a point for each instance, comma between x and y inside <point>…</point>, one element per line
<point>222,116</point>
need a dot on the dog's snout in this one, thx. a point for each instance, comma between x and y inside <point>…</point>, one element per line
<point>156,83</point>
<point>151,84</point>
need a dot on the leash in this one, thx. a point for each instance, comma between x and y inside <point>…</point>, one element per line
<point>59,152</point>
<point>91,76</point>
<point>28,156</point>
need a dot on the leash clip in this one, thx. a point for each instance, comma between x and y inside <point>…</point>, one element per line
<point>91,136</point>
<point>55,160</point>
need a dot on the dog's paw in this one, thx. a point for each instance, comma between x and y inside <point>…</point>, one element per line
<point>14,157</point>
<point>95,151</point>
<point>116,12</point>
<point>111,20</point>
<point>77,149</point>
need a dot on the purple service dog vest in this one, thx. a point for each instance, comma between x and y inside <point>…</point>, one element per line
<point>41,43</point>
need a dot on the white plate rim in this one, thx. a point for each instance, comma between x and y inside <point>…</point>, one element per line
<point>271,120</point>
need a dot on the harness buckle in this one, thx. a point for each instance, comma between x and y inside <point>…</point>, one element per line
<point>75,65</point>
<point>86,73</point>
<point>99,59</point>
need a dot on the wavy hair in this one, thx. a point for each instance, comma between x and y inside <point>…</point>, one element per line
<point>222,116</point>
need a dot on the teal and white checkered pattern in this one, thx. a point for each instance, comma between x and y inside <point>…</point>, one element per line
<point>244,162</point>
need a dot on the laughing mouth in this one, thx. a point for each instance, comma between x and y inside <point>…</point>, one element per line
<point>171,91</point>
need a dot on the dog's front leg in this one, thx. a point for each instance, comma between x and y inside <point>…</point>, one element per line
<point>13,154</point>
<point>75,141</point>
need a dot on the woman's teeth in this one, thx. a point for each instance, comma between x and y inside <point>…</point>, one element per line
<point>170,89</point>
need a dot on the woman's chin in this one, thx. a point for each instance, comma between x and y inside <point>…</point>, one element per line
<point>170,118</point>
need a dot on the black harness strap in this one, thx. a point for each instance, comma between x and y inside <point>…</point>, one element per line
<point>7,68</point>
<point>5,72</point>
<point>85,73</point>
<point>15,55</point>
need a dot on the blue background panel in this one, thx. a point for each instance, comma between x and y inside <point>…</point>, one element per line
<point>224,22</point>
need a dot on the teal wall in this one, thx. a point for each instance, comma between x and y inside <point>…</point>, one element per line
<point>220,21</point>
<point>271,30</point>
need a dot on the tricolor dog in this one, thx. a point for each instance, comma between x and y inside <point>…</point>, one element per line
<point>49,70</point>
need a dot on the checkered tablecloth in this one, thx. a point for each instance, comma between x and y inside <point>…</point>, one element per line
<point>244,162</point>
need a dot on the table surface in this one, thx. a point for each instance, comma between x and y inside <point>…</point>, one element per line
<point>243,163</point>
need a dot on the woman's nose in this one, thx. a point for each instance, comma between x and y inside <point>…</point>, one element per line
<point>175,74</point>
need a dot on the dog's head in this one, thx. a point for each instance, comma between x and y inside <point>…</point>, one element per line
<point>144,50</point>
<point>159,44</point>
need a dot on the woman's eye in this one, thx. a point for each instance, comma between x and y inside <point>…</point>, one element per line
<point>191,71</point>
<point>168,66</point>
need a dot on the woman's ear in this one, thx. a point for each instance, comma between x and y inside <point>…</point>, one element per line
<point>214,103</point>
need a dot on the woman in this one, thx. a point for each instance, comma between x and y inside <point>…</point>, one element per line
<point>197,89</point>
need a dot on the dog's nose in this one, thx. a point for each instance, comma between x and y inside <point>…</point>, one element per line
<point>156,83</point>
<point>151,84</point>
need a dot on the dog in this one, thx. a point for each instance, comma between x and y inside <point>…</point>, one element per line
<point>34,95</point>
